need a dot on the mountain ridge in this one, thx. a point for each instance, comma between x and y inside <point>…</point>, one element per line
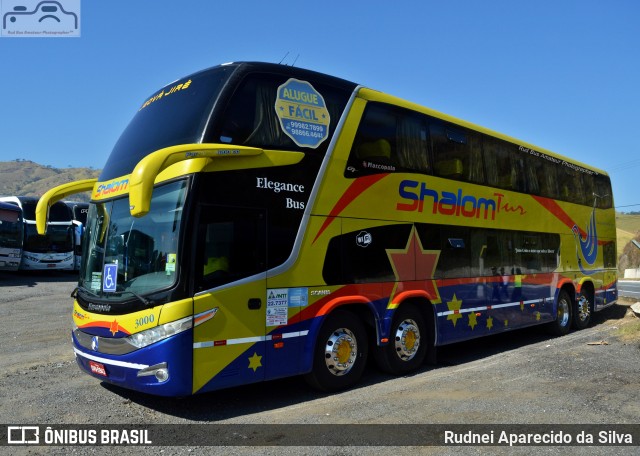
<point>23,177</point>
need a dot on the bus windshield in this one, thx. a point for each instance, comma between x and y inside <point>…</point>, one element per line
<point>10,229</point>
<point>135,255</point>
<point>59,239</point>
<point>177,114</point>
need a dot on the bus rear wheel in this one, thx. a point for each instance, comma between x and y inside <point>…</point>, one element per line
<point>582,313</point>
<point>564,315</point>
<point>407,345</point>
<point>340,354</point>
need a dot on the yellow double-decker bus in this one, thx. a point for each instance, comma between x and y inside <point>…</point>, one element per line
<point>257,221</point>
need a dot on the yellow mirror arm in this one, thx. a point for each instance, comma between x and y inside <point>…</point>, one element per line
<point>144,174</point>
<point>56,194</point>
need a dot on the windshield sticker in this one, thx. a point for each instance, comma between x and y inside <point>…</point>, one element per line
<point>109,278</point>
<point>302,112</point>
<point>96,280</point>
<point>163,93</point>
<point>171,263</point>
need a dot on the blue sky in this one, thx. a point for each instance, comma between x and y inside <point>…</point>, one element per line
<point>561,74</point>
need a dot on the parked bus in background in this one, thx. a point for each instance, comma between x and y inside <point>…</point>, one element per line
<point>53,250</point>
<point>256,221</point>
<point>79,211</point>
<point>11,234</point>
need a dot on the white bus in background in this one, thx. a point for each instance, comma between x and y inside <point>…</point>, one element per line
<point>11,236</point>
<point>54,250</point>
<point>79,213</point>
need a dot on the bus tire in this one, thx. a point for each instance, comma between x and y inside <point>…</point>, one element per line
<point>340,354</point>
<point>564,315</point>
<point>408,343</point>
<point>582,312</point>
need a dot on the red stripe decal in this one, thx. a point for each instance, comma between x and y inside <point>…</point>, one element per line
<point>356,188</point>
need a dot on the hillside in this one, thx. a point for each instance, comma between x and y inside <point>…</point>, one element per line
<point>627,228</point>
<point>26,178</point>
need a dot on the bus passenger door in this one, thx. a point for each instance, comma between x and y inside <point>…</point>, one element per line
<point>230,298</point>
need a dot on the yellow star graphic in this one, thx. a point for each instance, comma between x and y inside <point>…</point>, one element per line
<point>489,322</point>
<point>473,319</point>
<point>538,316</point>
<point>506,322</point>
<point>454,305</point>
<point>255,362</point>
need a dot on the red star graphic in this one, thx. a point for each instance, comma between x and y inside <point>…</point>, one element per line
<point>415,265</point>
<point>114,327</point>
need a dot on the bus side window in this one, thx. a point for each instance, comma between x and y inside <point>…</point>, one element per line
<point>457,153</point>
<point>250,118</point>
<point>412,138</point>
<point>546,176</point>
<point>570,186</point>
<point>373,149</point>
<point>500,171</point>
<point>389,139</point>
<point>231,245</point>
<point>603,190</point>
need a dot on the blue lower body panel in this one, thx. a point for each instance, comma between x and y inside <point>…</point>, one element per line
<point>122,370</point>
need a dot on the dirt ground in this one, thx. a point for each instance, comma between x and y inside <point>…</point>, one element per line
<point>523,377</point>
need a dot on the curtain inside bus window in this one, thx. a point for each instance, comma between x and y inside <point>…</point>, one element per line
<point>603,189</point>
<point>412,143</point>
<point>571,187</point>
<point>250,119</point>
<point>457,153</point>
<point>498,160</point>
<point>389,139</point>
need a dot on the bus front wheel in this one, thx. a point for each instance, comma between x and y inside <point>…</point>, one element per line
<point>340,353</point>
<point>564,315</point>
<point>407,345</point>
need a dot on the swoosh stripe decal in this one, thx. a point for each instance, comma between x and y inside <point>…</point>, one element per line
<point>356,188</point>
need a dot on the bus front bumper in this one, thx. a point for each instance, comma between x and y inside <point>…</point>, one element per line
<point>162,369</point>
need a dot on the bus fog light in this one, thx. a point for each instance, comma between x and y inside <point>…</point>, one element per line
<point>160,371</point>
<point>162,375</point>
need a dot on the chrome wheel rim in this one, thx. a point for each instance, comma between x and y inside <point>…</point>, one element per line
<point>341,351</point>
<point>583,309</point>
<point>563,312</point>
<point>407,339</point>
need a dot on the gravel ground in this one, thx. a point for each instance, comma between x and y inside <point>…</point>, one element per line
<point>524,377</point>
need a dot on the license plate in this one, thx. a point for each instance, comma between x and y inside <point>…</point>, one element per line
<point>98,368</point>
<point>51,265</point>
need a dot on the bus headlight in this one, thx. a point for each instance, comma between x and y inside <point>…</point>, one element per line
<point>153,335</point>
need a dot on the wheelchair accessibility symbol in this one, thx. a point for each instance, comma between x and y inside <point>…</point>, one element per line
<point>109,278</point>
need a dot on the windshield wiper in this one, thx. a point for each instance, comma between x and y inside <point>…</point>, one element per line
<point>144,300</point>
<point>74,293</point>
